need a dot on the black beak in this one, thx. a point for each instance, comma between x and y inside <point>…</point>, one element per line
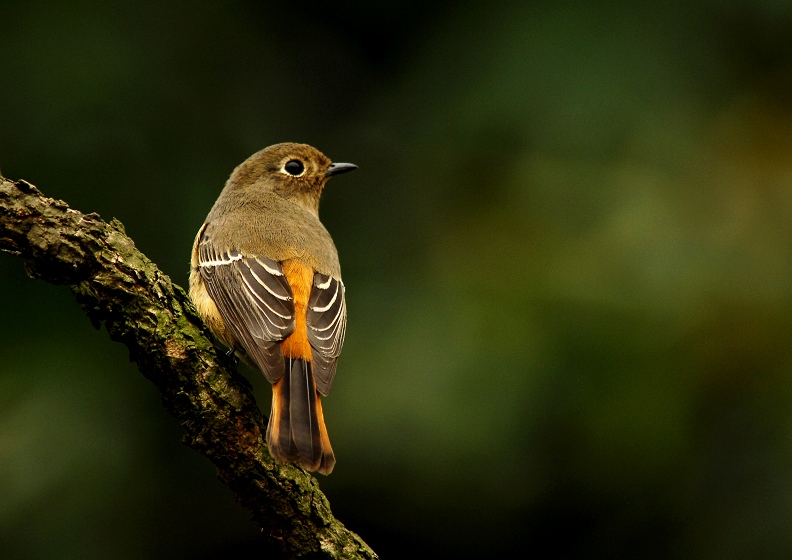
<point>338,168</point>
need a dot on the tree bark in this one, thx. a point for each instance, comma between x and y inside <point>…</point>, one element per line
<point>117,285</point>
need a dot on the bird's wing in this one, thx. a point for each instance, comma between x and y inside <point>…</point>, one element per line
<point>255,301</point>
<point>326,321</point>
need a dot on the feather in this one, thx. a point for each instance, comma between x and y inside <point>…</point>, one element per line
<point>296,432</point>
<point>304,423</point>
<point>326,320</point>
<point>255,301</point>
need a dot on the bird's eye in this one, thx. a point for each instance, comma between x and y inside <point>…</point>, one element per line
<point>294,167</point>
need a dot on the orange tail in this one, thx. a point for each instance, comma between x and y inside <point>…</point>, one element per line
<point>296,432</point>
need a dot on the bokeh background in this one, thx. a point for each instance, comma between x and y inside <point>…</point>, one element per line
<point>567,250</point>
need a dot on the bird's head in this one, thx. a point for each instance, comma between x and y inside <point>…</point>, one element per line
<point>294,171</point>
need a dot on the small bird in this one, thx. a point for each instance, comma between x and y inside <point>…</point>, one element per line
<point>265,278</point>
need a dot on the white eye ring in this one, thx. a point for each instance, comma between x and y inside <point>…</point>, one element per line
<point>294,167</point>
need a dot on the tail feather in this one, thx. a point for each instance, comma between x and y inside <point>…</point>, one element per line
<point>279,438</point>
<point>302,406</point>
<point>296,431</point>
<point>328,458</point>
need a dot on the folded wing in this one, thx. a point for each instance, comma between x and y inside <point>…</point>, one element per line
<point>255,301</point>
<point>326,321</point>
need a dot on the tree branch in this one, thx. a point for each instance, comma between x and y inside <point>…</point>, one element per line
<point>140,306</point>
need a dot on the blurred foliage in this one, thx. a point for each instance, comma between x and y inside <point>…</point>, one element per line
<point>568,253</point>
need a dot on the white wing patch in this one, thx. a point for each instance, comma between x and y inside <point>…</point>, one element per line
<point>226,258</point>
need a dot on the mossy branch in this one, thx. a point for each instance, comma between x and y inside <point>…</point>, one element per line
<point>117,285</point>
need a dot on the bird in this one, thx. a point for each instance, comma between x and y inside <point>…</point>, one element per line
<point>266,279</point>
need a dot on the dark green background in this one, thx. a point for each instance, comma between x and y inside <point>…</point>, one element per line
<point>567,251</point>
